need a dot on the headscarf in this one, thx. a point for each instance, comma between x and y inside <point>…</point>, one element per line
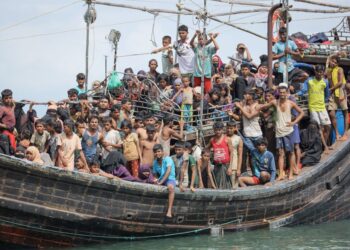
<point>35,152</point>
<point>220,63</point>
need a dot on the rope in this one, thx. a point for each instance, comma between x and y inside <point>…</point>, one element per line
<point>35,17</point>
<point>153,36</point>
<point>39,228</point>
<point>135,54</point>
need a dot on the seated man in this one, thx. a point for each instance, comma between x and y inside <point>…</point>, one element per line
<point>263,162</point>
<point>164,168</point>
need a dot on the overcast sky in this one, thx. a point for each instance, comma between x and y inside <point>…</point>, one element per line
<point>41,57</point>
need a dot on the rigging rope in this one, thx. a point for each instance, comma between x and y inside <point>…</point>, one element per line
<point>153,37</point>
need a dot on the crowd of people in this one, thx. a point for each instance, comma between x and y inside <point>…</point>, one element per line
<point>136,131</point>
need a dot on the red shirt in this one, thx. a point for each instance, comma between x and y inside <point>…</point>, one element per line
<point>7,116</point>
<point>221,151</point>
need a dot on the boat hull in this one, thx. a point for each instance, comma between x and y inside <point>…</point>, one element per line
<point>47,206</point>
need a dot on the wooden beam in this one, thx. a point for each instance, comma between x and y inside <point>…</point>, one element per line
<point>243,3</point>
<point>323,4</point>
<point>145,9</point>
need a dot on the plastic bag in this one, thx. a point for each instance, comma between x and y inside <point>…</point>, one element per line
<point>114,81</point>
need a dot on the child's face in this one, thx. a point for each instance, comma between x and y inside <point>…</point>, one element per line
<point>206,156</point>
<point>183,35</point>
<point>127,106</point>
<point>269,97</point>
<point>153,65</point>
<point>107,126</point>
<point>79,164</point>
<point>49,129</point>
<point>39,128</point>
<point>81,82</point>
<point>162,83</point>
<point>138,124</point>
<point>177,86</point>
<point>186,82</point>
<point>201,40</point>
<point>223,92</point>
<point>215,97</point>
<point>150,135</point>
<point>166,42</point>
<point>126,130</point>
<point>7,100</point>
<point>158,154</point>
<point>179,151</point>
<point>67,129</point>
<point>115,114</point>
<point>231,130</point>
<point>95,169</point>
<point>93,124</point>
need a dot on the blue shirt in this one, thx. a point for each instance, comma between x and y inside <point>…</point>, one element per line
<point>264,161</point>
<point>279,48</point>
<point>80,91</point>
<point>160,170</point>
<point>207,52</point>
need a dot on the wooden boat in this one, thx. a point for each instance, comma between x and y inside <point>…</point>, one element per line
<point>49,207</point>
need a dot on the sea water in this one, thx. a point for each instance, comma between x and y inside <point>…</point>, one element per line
<point>335,235</point>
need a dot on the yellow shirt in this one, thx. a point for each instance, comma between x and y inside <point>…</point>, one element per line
<point>316,95</point>
<point>335,71</point>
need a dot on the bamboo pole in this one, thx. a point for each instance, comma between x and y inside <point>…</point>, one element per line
<point>243,3</point>
<point>145,9</point>
<point>323,4</point>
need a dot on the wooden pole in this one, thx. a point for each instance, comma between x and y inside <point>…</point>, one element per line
<point>87,50</point>
<point>177,25</point>
<point>145,9</point>
<point>323,4</point>
<point>238,12</point>
<point>287,41</point>
<point>244,3</point>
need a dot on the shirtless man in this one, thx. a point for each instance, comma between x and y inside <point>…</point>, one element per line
<point>167,132</point>
<point>284,128</point>
<point>147,145</point>
<point>141,131</point>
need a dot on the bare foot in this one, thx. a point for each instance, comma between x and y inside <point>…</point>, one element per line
<point>290,177</point>
<point>281,177</point>
<point>169,215</point>
<point>343,138</point>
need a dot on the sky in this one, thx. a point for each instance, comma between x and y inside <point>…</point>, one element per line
<point>43,42</point>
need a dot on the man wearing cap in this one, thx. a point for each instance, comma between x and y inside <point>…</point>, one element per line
<point>263,161</point>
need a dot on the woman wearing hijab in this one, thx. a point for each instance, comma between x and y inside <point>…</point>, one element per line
<point>33,155</point>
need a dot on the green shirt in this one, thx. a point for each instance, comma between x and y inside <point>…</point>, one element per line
<point>207,52</point>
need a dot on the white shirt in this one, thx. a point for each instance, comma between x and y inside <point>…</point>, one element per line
<point>185,56</point>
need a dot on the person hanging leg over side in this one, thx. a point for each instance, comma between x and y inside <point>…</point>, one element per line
<point>164,168</point>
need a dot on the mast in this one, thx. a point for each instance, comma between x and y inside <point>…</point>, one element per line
<point>285,12</point>
<point>178,24</point>
<point>89,17</point>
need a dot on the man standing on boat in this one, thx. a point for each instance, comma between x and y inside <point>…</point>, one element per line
<point>338,97</point>
<point>81,83</point>
<point>184,52</point>
<point>280,52</point>
<point>318,92</point>
<point>164,168</point>
<point>7,118</point>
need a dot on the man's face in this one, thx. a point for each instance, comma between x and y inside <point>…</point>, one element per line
<point>230,130</point>
<point>269,97</point>
<point>73,97</point>
<point>247,96</point>
<point>107,126</point>
<point>282,93</point>
<point>179,152</point>
<point>80,129</point>
<point>93,124</point>
<point>80,82</point>
<point>218,132</point>
<point>7,100</point>
<point>128,106</point>
<point>150,121</point>
<point>319,74</point>
<point>245,71</point>
<point>283,36</point>
<point>115,114</point>
<point>66,129</point>
<point>183,35</point>
<point>261,148</point>
<point>158,154</point>
<point>103,104</point>
<point>201,40</point>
